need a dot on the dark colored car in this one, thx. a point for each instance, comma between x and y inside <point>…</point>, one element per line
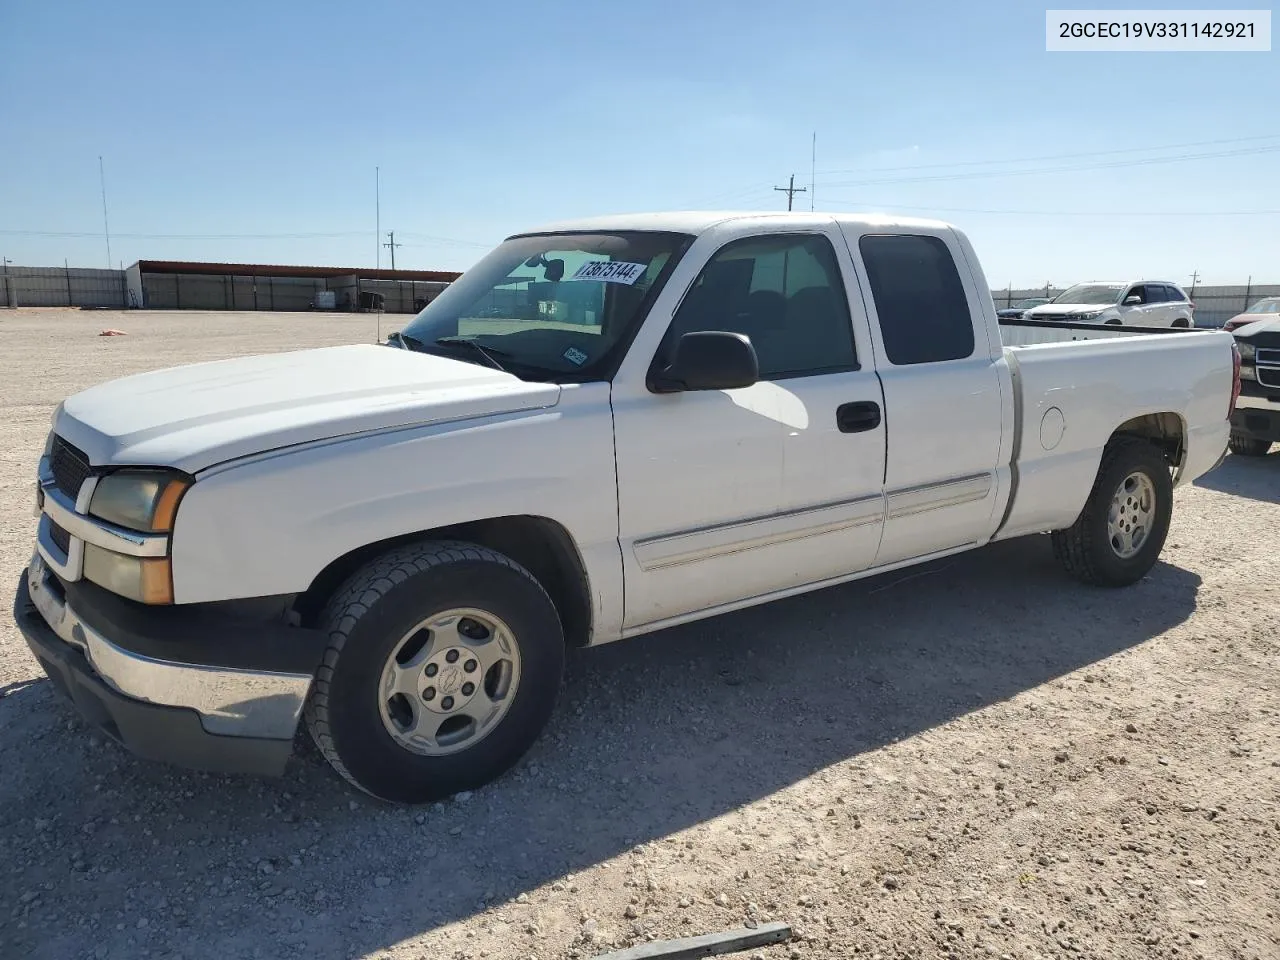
<point>1016,311</point>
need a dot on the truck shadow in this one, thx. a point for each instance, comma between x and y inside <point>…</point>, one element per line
<point>653,736</point>
<point>1257,478</point>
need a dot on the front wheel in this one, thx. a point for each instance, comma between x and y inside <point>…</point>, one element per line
<point>1246,446</point>
<point>443,666</point>
<point>1119,534</point>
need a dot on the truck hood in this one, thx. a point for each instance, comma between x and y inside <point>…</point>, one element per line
<point>1057,310</point>
<point>1266,323</point>
<point>195,416</point>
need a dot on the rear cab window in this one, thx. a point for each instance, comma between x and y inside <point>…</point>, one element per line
<point>919,298</point>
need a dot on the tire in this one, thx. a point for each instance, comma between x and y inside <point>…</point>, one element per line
<point>1246,446</point>
<point>1086,549</point>
<point>382,611</point>
<point>1182,323</point>
<point>1112,323</point>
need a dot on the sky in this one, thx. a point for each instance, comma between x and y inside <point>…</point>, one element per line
<point>250,132</point>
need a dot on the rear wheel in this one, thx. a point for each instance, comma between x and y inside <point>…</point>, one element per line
<point>443,666</point>
<point>1247,446</point>
<point>1119,534</point>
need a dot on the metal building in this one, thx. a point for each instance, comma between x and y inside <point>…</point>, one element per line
<point>182,285</point>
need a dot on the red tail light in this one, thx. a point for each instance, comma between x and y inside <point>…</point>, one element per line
<point>1235,378</point>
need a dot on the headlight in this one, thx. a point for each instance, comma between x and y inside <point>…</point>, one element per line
<point>1247,350</point>
<point>145,579</point>
<point>143,500</point>
<point>1089,315</point>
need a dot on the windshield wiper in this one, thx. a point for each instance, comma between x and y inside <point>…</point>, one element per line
<point>407,341</point>
<point>487,352</point>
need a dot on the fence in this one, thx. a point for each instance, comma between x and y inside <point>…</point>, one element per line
<point>1215,305</point>
<point>81,287</point>
<point>62,287</point>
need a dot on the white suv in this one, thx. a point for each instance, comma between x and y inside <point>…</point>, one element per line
<point>1140,303</point>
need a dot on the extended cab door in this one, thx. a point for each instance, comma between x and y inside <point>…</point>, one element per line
<point>728,495</point>
<point>942,378</point>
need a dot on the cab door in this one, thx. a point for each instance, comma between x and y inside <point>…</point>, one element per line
<point>941,375</point>
<point>728,496</point>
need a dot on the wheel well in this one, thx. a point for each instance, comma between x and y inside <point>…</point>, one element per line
<point>1165,430</point>
<point>541,546</point>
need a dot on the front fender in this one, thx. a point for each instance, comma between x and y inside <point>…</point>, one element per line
<point>268,525</point>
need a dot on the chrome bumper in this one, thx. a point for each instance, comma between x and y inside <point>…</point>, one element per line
<point>230,701</point>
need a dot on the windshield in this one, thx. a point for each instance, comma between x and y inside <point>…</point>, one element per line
<point>558,306</point>
<point>1265,306</point>
<point>1093,293</point>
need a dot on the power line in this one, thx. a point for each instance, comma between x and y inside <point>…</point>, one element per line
<point>866,205</point>
<point>791,190</point>
<point>1076,168</point>
<point>1057,156</point>
<point>73,234</point>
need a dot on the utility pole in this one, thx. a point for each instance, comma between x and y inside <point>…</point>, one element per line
<point>1195,275</point>
<point>8,301</point>
<point>391,242</point>
<point>791,190</point>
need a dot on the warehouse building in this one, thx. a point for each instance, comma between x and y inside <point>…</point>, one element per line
<point>182,285</point>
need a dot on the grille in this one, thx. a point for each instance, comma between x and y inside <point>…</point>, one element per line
<point>1267,368</point>
<point>60,537</point>
<point>70,467</point>
<point>1268,376</point>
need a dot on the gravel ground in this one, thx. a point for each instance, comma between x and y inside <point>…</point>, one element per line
<point>977,758</point>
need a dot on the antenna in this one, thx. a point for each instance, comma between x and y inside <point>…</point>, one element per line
<point>377,237</point>
<point>813,166</point>
<point>106,230</point>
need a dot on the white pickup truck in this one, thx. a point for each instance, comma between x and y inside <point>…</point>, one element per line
<point>602,429</point>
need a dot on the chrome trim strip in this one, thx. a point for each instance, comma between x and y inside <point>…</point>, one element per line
<point>70,518</point>
<point>69,566</point>
<point>653,625</point>
<point>656,553</point>
<point>238,703</point>
<point>935,496</point>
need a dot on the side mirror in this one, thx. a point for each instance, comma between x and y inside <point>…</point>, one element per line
<point>708,360</point>
<point>1132,300</point>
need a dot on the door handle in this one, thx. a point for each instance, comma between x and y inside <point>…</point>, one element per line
<point>858,416</point>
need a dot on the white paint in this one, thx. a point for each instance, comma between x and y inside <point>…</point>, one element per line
<point>699,502</point>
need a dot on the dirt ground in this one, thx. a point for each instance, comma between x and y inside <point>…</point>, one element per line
<point>979,758</point>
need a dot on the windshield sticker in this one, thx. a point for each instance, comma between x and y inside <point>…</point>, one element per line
<point>575,356</point>
<point>610,271</point>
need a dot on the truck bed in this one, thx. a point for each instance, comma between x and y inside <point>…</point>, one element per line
<point>1066,394</point>
<point>1024,333</point>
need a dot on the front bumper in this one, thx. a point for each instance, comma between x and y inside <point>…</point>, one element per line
<point>1258,415</point>
<point>192,687</point>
